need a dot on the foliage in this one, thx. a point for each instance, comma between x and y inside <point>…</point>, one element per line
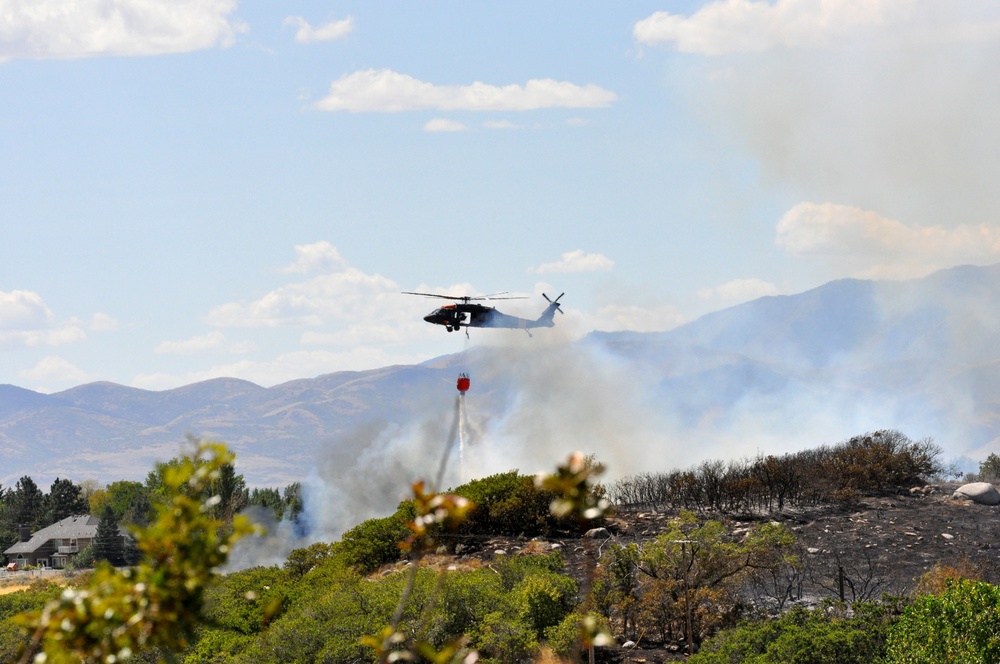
<point>511,504</point>
<point>938,578</point>
<point>12,641</point>
<point>375,542</point>
<point>108,543</point>
<point>962,624</point>
<point>571,486</point>
<point>433,512</point>
<point>64,499</point>
<point>268,498</point>
<point>696,567</point>
<point>301,561</point>
<point>828,635</point>
<point>231,490</point>
<point>83,560</point>
<point>577,632</point>
<point>158,604</point>
<point>989,470</point>
<point>292,496</point>
<point>247,600</point>
<point>26,504</point>
<point>129,501</point>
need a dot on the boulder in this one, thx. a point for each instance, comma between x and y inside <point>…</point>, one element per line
<point>594,533</point>
<point>983,493</point>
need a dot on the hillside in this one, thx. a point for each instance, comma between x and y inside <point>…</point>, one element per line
<point>884,545</point>
<point>776,374</point>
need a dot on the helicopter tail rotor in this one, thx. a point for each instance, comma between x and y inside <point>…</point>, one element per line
<point>554,302</point>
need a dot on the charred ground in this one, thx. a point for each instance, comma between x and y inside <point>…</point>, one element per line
<point>883,544</point>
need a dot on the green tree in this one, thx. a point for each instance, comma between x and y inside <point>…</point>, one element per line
<point>230,487</point>
<point>129,501</point>
<point>961,625</point>
<point>829,635</point>
<point>268,498</point>
<point>157,605</point>
<point>27,504</point>
<point>64,499</point>
<point>693,569</point>
<point>292,496</point>
<point>301,561</point>
<point>109,544</point>
<point>989,470</point>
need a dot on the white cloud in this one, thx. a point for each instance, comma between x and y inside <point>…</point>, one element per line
<point>444,125</point>
<point>576,261</point>
<point>742,26</point>
<point>316,257</point>
<point>314,302</point>
<point>866,243</point>
<point>82,28</point>
<point>307,34</point>
<point>501,124</point>
<point>207,342</point>
<point>101,322</point>
<point>339,293</point>
<point>577,122</point>
<point>25,320</point>
<point>739,290</point>
<point>385,90</point>
<point>22,310</point>
<point>55,370</point>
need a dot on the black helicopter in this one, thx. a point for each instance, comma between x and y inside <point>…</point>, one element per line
<point>467,312</point>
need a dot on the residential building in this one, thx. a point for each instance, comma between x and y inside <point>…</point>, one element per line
<point>55,545</point>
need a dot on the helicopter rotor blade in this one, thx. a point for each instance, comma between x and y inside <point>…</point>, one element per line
<point>469,298</point>
<point>464,298</point>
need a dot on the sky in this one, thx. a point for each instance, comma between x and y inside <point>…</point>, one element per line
<point>192,189</point>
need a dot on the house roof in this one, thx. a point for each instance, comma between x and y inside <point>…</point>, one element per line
<point>72,527</point>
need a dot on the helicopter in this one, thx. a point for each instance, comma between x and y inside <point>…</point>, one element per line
<point>467,312</point>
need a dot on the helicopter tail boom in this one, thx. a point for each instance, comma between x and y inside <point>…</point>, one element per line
<point>547,319</point>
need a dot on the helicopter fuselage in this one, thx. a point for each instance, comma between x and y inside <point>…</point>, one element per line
<point>454,316</point>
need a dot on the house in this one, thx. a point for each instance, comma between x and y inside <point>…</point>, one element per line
<point>54,545</point>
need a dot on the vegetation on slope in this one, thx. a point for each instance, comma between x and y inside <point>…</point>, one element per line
<point>358,600</point>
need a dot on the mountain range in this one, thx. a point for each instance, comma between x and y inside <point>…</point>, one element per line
<point>772,375</point>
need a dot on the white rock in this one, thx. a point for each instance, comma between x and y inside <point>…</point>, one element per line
<point>983,493</point>
<point>947,536</point>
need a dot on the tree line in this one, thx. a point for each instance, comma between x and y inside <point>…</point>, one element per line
<point>879,461</point>
<point>131,503</point>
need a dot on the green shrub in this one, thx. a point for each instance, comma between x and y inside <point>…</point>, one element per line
<point>962,624</point>
<point>247,600</point>
<point>375,542</point>
<point>545,599</point>
<point>564,638</point>
<point>827,635</point>
<point>502,640</point>
<point>509,504</point>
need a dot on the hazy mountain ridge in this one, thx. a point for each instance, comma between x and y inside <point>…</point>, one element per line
<point>917,355</point>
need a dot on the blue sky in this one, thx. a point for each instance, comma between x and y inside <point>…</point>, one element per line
<point>192,189</point>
